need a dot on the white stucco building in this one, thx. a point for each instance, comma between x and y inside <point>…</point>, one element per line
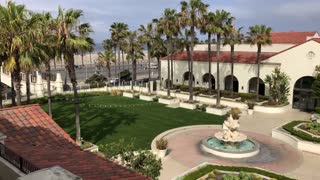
<point>296,53</point>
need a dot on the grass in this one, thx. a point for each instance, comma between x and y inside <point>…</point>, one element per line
<point>126,118</point>
<point>209,168</point>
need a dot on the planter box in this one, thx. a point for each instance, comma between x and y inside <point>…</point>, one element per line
<point>216,111</point>
<point>128,94</point>
<point>250,111</point>
<point>188,105</point>
<point>272,110</point>
<point>146,97</point>
<point>162,153</point>
<point>231,99</point>
<point>92,148</point>
<point>169,101</point>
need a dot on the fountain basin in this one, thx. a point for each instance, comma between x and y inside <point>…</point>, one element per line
<point>244,149</point>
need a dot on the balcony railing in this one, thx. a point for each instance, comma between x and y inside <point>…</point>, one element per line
<point>16,160</point>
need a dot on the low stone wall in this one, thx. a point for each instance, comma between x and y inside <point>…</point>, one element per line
<point>168,101</point>
<point>281,134</point>
<point>188,105</point>
<point>274,110</point>
<point>146,98</point>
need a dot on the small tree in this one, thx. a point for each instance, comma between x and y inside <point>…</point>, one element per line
<point>278,86</point>
<point>316,84</point>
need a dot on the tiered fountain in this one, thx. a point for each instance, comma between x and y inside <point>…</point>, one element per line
<point>230,143</point>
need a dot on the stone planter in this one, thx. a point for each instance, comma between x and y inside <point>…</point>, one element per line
<point>162,153</point>
<point>92,148</point>
<point>250,111</point>
<point>146,97</point>
<point>216,111</point>
<point>168,101</point>
<point>188,105</point>
<point>272,110</point>
<point>128,94</point>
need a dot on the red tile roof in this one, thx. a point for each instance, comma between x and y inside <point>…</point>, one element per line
<point>291,37</point>
<point>240,57</point>
<point>32,134</point>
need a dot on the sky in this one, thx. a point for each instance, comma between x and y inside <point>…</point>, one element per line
<point>281,15</point>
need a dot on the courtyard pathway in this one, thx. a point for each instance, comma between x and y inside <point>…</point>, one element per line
<point>277,156</point>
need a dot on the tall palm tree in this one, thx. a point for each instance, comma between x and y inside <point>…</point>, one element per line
<point>134,51</point>
<point>105,58</point>
<point>16,27</point>
<point>259,35</point>
<point>168,25</point>
<point>191,14</point>
<point>232,37</point>
<point>147,34</point>
<point>222,21</point>
<point>70,43</point>
<point>118,33</point>
<point>207,27</point>
<point>84,31</point>
<point>158,50</point>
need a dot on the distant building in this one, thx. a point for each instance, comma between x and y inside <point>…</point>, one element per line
<point>296,53</point>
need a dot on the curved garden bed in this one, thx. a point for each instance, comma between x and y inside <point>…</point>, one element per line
<point>208,168</point>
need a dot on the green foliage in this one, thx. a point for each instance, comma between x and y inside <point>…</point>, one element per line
<point>316,84</point>
<point>209,168</point>
<point>231,177</point>
<point>142,161</point>
<point>125,75</point>
<point>317,110</point>
<point>96,80</point>
<point>300,134</point>
<point>314,127</point>
<point>278,86</point>
<point>146,163</point>
<point>201,107</point>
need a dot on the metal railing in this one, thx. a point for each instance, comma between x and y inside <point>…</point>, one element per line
<point>16,160</point>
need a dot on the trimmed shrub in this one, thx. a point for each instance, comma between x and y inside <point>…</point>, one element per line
<point>300,134</point>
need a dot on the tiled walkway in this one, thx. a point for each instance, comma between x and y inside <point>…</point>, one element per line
<point>185,152</point>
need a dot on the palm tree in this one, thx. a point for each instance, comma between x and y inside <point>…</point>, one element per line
<point>147,34</point>
<point>207,27</point>
<point>222,21</point>
<point>16,27</point>
<point>118,33</point>
<point>84,31</point>
<point>259,35</point>
<point>169,26</point>
<point>158,50</point>
<point>232,37</point>
<point>105,58</point>
<point>70,43</point>
<point>190,16</point>
<point>134,51</point>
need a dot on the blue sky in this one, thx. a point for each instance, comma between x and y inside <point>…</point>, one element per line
<point>281,15</point>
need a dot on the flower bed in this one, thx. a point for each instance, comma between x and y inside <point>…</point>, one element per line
<point>203,171</point>
<point>168,100</point>
<point>272,109</point>
<point>290,127</point>
<point>220,111</point>
<point>189,104</point>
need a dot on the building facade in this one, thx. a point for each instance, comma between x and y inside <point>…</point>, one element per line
<point>295,53</point>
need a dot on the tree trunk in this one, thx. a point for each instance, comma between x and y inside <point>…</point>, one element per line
<point>171,70</point>
<point>13,92</point>
<point>17,79</point>
<point>1,89</point>
<point>134,72</point>
<point>159,67</point>
<point>190,78</point>
<point>72,74</point>
<point>258,71</point>
<point>218,69</point>
<point>48,74</point>
<point>82,58</point>
<point>232,69</point>
<point>209,63</point>
<point>119,59</point>
<point>115,62</point>
<point>28,86</point>
<point>122,54</point>
<point>90,58</point>
<point>54,63</point>
<point>168,68</point>
<point>149,70</point>
<point>109,71</point>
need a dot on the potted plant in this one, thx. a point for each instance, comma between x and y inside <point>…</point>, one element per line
<point>250,107</point>
<point>162,147</point>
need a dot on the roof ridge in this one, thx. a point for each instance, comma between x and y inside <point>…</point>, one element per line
<point>21,106</point>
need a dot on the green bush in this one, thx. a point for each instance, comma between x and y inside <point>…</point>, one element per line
<point>96,78</point>
<point>300,134</point>
<point>318,110</point>
<point>209,168</point>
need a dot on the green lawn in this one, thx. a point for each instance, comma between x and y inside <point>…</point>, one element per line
<point>127,118</point>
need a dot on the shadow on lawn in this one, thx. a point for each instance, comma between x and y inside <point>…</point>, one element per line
<point>96,123</point>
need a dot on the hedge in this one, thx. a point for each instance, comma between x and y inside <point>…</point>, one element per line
<point>209,168</point>
<point>300,134</point>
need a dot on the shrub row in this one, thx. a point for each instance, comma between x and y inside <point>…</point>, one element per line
<point>300,134</point>
<point>209,168</point>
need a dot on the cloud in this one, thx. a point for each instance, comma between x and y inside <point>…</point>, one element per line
<point>282,15</point>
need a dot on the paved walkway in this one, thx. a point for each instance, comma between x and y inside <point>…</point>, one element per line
<point>185,152</point>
